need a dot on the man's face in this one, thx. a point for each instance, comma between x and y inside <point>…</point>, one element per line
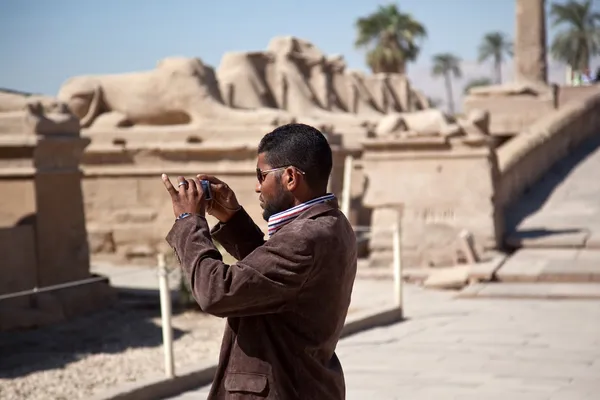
<point>274,196</point>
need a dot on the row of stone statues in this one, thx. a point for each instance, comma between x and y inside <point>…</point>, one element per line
<point>291,81</point>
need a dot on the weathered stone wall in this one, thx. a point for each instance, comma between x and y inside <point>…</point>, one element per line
<point>127,208</point>
<point>444,186</point>
<point>511,114</point>
<point>20,202</point>
<point>568,94</point>
<point>19,263</point>
<point>514,107</point>
<point>526,158</point>
<point>17,205</point>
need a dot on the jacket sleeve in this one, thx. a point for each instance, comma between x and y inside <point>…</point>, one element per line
<point>239,236</point>
<point>267,280</point>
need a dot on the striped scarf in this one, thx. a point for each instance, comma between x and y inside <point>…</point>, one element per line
<point>279,220</point>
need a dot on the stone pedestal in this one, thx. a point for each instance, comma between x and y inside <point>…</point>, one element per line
<point>42,225</point>
<point>445,185</point>
<point>530,41</point>
<point>61,238</point>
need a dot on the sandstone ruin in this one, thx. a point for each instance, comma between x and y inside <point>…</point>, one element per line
<point>444,180</point>
<point>42,226</point>
<point>514,106</point>
<point>178,91</point>
<point>127,210</point>
<point>291,81</point>
<point>294,75</point>
<point>183,117</point>
<point>212,122</point>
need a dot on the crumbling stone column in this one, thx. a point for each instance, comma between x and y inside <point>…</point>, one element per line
<point>530,41</point>
<point>61,239</point>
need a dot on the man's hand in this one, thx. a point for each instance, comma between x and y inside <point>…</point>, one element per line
<point>188,197</point>
<point>224,204</point>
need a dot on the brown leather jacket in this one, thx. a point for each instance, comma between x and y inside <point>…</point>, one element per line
<point>285,300</point>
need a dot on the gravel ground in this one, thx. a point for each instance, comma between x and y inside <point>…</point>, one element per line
<point>90,354</point>
<point>86,356</point>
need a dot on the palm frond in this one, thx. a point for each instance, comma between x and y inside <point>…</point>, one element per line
<point>570,13</point>
<point>383,59</point>
<point>391,37</point>
<point>565,48</point>
<point>494,45</point>
<point>446,63</point>
<point>579,40</point>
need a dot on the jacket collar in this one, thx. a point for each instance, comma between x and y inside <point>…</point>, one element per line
<point>320,209</point>
<point>306,210</point>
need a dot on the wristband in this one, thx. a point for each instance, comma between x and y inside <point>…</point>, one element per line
<point>182,216</point>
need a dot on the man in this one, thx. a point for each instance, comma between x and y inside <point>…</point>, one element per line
<point>286,298</point>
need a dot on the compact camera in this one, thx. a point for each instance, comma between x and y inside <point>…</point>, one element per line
<point>206,189</point>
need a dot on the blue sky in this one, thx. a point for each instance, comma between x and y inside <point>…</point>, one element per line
<point>44,42</point>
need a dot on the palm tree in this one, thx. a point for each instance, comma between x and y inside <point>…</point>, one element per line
<point>580,41</point>
<point>495,45</point>
<point>477,82</point>
<point>391,37</point>
<point>448,66</point>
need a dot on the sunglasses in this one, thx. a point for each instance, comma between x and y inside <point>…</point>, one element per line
<point>260,175</point>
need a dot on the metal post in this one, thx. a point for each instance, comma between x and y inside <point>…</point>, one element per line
<point>397,265</point>
<point>165,309</point>
<point>347,182</point>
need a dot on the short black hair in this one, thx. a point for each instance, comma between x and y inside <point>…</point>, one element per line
<point>303,147</point>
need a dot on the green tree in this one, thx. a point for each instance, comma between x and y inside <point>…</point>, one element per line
<point>391,37</point>
<point>579,41</point>
<point>447,65</point>
<point>495,45</point>
<point>477,82</point>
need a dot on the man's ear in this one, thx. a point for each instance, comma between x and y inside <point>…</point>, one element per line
<point>290,179</point>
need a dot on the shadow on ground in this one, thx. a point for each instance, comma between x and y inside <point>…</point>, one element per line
<point>525,234</point>
<point>113,330</point>
<point>535,197</point>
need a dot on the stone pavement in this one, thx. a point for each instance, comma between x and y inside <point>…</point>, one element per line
<point>562,209</point>
<point>535,290</point>
<point>475,349</point>
<point>551,265</point>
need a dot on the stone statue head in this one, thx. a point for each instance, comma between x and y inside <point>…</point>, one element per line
<point>58,120</point>
<point>194,66</point>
